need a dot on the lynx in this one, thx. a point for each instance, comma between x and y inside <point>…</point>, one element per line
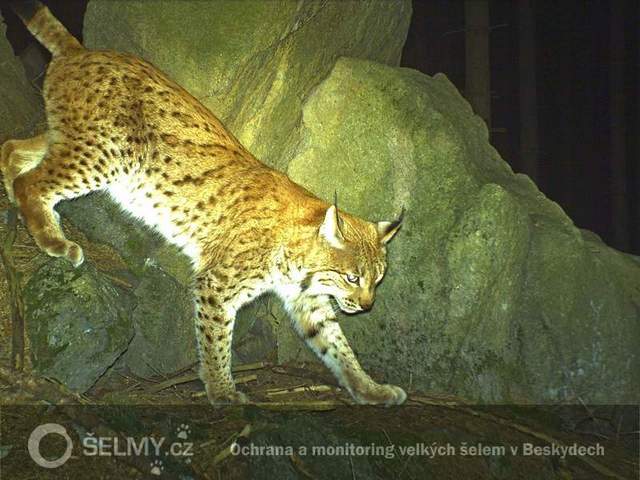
<point>119,125</point>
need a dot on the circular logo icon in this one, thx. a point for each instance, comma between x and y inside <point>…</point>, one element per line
<point>36,437</point>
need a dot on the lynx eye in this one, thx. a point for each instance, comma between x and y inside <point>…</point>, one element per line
<point>351,278</point>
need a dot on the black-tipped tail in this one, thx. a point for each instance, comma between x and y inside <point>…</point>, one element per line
<point>25,9</point>
<point>45,27</point>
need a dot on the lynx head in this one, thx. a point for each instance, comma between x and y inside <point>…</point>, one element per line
<point>349,259</point>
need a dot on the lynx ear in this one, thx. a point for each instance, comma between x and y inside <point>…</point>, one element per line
<point>330,228</point>
<point>387,230</point>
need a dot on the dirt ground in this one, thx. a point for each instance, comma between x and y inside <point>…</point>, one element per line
<point>301,426</point>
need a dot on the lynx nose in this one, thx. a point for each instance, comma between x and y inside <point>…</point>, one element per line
<point>367,303</point>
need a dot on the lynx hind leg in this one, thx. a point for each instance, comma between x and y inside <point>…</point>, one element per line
<point>61,174</point>
<point>18,157</point>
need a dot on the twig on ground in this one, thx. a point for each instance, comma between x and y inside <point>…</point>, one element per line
<point>15,297</point>
<point>300,466</point>
<point>226,452</point>
<point>249,366</point>
<point>117,280</point>
<point>238,381</point>
<point>298,389</point>
<point>312,405</point>
<point>191,376</point>
<point>353,472</point>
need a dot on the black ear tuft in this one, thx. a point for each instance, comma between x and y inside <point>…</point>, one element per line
<point>387,230</point>
<point>396,223</point>
<point>338,219</point>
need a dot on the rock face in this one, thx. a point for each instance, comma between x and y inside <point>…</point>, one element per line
<point>101,220</point>
<point>163,318</point>
<point>251,62</point>
<point>20,105</point>
<point>77,323</point>
<point>492,292</point>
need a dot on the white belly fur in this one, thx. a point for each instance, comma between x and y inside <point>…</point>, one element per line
<point>135,202</point>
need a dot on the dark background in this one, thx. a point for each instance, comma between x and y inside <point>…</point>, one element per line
<point>575,165</point>
<point>573,58</point>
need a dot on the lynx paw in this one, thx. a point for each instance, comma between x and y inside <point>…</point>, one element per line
<point>232,398</point>
<point>8,187</point>
<point>66,249</point>
<point>381,395</point>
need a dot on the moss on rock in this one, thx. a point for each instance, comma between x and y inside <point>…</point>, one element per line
<point>491,292</point>
<point>78,323</point>
<point>164,340</point>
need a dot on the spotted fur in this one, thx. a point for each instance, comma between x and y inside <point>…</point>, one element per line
<point>117,124</point>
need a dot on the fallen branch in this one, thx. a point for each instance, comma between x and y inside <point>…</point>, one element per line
<point>312,405</point>
<point>226,452</point>
<point>15,297</point>
<point>191,376</point>
<point>292,406</point>
<point>298,389</point>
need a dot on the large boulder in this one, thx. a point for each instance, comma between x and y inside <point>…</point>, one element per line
<point>492,292</point>
<point>20,104</point>
<point>78,322</point>
<point>102,221</point>
<point>251,62</point>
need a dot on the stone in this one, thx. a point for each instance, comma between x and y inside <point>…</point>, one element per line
<point>581,315</point>
<point>252,62</point>
<point>20,104</point>
<point>253,336</point>
<point>491,293</point>
<point>78,323</point>
<point>164,341</point>
<point>102,221</point>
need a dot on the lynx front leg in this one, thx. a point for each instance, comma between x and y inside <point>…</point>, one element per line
<point>214,332</point>
<point>315,321</point>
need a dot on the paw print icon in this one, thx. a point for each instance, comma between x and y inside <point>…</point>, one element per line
<point>183,431</point>
<point>157,467</point>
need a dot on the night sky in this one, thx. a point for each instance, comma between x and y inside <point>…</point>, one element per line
<point>573,59</point>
